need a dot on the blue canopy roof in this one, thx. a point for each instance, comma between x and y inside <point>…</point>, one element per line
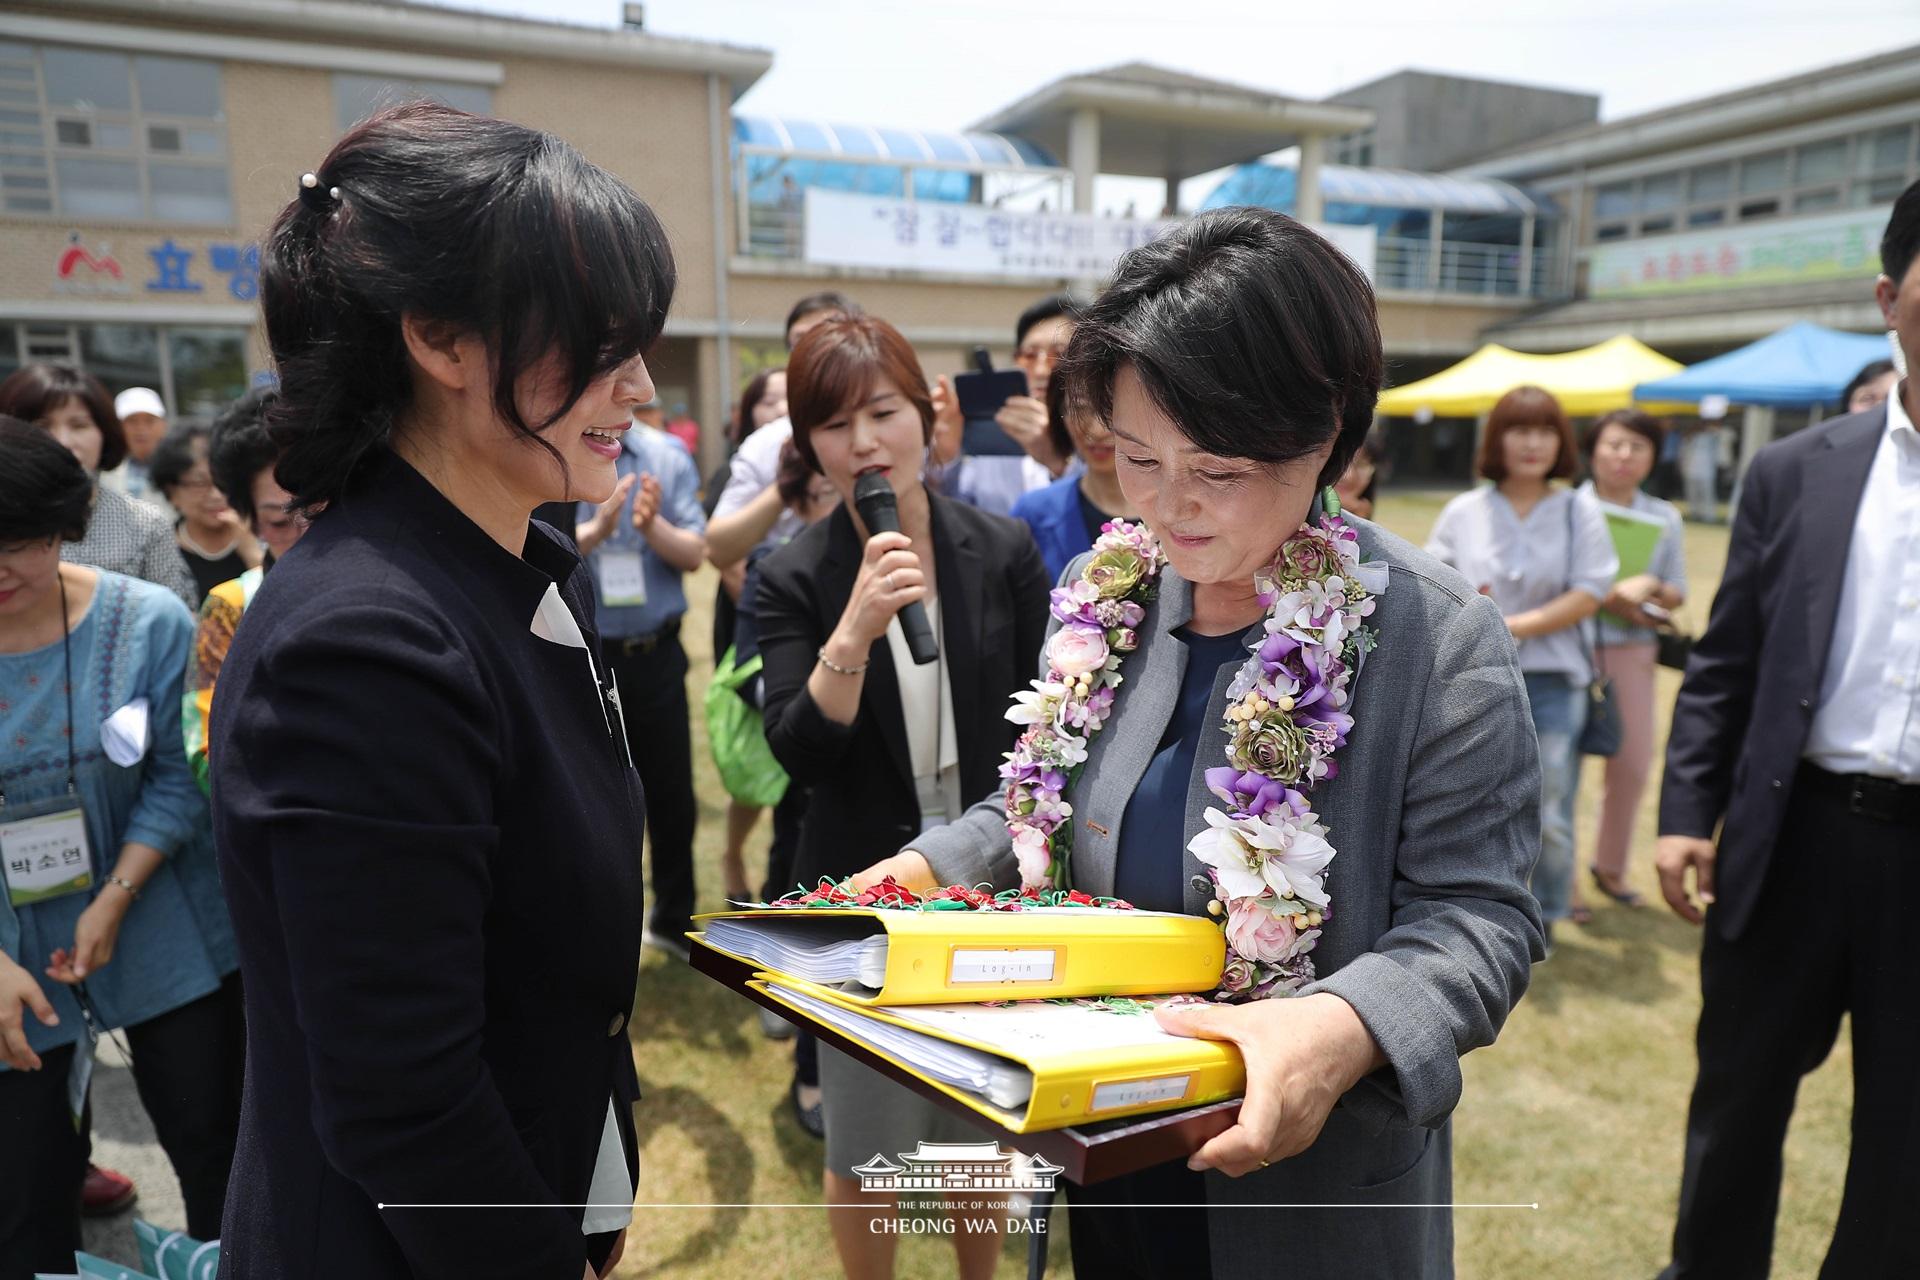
<point>886,143</point>
<point>1271,186</point>
<point>1803,364</point>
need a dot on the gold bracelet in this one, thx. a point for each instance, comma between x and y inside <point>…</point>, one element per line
<point>126,884</point>
<point>837,669</point>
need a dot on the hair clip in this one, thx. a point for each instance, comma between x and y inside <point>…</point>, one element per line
<point>313,197</point>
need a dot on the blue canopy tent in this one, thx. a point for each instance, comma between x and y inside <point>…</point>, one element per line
<point>1801,366</point>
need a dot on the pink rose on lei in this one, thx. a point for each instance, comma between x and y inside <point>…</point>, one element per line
<point>1256,934</point>
<point>1077,651</point>
<point>1031,853</point>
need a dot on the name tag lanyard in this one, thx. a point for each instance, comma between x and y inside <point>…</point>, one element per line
<point>40,855</point>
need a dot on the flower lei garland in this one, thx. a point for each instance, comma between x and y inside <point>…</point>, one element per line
<point>1266,851</point>
<point>890,894</point>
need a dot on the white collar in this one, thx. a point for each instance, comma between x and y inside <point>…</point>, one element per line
<point>1897,417</point>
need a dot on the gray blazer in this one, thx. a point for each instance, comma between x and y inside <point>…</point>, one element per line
<point>1436,816</point>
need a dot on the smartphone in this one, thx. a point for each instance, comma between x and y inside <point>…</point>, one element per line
<point>980,395</point>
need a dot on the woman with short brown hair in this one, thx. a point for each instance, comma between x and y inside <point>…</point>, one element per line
<point>1543,554</point>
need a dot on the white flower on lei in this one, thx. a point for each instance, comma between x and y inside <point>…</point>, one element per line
<point>1254,855</point>
<point>1038,705</point>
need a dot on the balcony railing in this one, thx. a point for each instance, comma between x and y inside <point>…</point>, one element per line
<point>1483,270</point>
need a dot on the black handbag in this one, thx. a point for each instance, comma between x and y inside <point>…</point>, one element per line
<point>1672,648</point>
<point>1602,733</point>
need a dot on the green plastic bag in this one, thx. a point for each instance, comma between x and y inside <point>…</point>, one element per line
<point>738,737</point>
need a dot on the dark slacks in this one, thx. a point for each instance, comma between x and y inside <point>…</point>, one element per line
<point>1831,934</point>
<point>653,703</point>
<point>1112,1238</point>
<point>187,1067</point>
<point>40,1173</point>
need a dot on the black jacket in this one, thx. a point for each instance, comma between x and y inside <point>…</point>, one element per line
<point>430,845</point>
<point>993,602</point>
<point>1753,684</point>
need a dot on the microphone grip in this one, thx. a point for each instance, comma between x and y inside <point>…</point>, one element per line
<point>920,641</point>
<point>874,500</point>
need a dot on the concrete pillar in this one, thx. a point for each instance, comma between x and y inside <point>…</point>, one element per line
<point>1756,432</point>
<point>1307,205</point>
<point>713,395</point>
<point>1172,206</point>
<point>1083,156</point>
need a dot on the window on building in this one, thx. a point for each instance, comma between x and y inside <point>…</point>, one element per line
<point>1751,210</point>
<point>1884,151</point>
<point>1763,173</point>
<point>1707,217</point>
<point>1612,231</point>
<point>197,369</point>
<point>1656,226</point>
<point>1815,201</point>
<point>1613,200</point>
<point>1820,163</point>
<point>1711,182</point>
<point>356,97</point>
<point>80,130</point>
<point>1660,193</point>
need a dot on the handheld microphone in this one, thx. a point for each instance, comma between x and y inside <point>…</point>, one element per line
<point>880,512</point>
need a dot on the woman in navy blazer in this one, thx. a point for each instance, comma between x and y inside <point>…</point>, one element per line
<point>1066,515</point>
<point>427,818</point>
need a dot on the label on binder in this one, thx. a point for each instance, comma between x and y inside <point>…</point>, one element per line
<point>1000,964</point>
<point>1135,1093</point>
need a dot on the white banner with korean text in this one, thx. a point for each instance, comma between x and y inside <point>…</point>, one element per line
<point>847,230</point>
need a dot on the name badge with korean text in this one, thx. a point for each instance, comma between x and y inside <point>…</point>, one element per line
<point>46,857</point>
<point>623,578</point>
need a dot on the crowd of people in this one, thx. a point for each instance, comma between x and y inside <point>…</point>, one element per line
<point>335,722</point>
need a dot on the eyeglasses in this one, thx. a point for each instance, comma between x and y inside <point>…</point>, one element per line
<point>1032,355</point>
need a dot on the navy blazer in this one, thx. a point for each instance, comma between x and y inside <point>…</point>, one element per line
<point>993,604</point>
<point>430,842</point>
<point>1053,513</point>
<point>1740,724</point>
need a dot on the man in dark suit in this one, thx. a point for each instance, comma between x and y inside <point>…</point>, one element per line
<point>1797,734</point>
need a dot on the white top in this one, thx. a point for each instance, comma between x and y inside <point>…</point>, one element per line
<point>995,482</point>
<point>1868,718</point>
<point>1562,545</point>
<point>926,701</point>
<point>756,465</point>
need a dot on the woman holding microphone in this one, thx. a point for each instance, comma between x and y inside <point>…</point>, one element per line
<point>889,746</point>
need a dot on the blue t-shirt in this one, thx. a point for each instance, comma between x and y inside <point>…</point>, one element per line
<point>1149,867</point>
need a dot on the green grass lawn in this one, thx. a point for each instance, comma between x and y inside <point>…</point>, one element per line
<point>1579,1108</point>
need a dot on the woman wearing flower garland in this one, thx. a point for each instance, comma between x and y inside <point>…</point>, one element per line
<point>1204,739</point>
<point>889,747</point>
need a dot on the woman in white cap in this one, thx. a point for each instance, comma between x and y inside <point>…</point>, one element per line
<point>143,424</point>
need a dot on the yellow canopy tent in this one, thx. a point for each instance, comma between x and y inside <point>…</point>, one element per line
<point>1589,381</point>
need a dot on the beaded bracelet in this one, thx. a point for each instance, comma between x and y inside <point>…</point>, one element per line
<point>126,884</point>
<point>839,670</point>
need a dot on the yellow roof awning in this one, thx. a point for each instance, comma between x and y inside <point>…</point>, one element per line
<point>1589,381</point>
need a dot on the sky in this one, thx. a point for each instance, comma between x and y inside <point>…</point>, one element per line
<point>945,64</point>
